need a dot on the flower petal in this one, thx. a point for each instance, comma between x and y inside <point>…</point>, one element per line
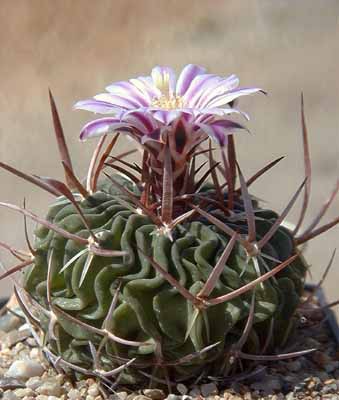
<point>219,88</point>
<point>96,106</point>
<point>142,121</point>
<point>146,86</point>
<point>221,112</point>
<point>130,91</point>
<point>226,98</point>
<point>118,101</point>
<point>102,126</point>
<point>220,130</point>
<point>164,79</point>
<point>154,135</point>
<point>196,89</point>
<point>166,116</point>
<point>186,77</point>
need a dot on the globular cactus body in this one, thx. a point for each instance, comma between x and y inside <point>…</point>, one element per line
<point>149,310</point>
<point>163,270</point>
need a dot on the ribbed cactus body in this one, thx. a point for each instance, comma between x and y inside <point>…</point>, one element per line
<point>150,313</point>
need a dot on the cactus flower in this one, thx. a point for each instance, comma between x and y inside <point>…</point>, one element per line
<point>146,107</point>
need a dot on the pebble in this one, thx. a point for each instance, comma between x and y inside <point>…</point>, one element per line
<point>33,382</point>
<point>182,389</point>
<point>10,383</point>
<point>24,369</point>
<point>209,389</point>
<point>9,322</point>
<point>74,394</point>
<point>9,395</point>
<point>141,397</point>
<point>42,397</point>
<point>93,390</point>
<point>13,337</point>
<point>24,392</point>
<point>195,392</point>
<point>121,395</point>
<point>154,394</point>
<point>330,388</point>
<point>173,397</point>
<point>50,387</point>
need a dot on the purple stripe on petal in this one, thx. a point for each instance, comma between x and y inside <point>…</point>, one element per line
<point>213,133</point>
<point>197,88</point>
<point>102,126</point>
<point>141,121</point>
<point>118,101</point>
<point>166,116</point>
<point>145,117</point>
<point>96,106</point>
<point>226,98</point>
<point>186,77</point>
<point>228,124</point>
<point>220,129</point>
<point>126,89</point>
<point>223,86</point>
<point>164,79</point>
<point>222,112</point>
<point>146,86</point>
<point>154,135</point>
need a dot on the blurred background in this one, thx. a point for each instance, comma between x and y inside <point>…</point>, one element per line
<point>78,47</point>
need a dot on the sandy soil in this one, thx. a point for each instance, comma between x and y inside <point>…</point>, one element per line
<point>78,47</point>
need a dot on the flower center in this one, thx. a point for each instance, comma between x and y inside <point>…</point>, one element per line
<point>168,102</point>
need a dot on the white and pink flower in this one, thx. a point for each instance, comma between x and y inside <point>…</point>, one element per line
<point>147,106</point>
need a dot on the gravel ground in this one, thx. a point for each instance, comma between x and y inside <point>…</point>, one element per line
<point>25,373</point>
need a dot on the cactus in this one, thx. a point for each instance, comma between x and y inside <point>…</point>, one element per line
<point>163,270</point>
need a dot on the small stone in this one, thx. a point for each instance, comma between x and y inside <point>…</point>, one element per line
<point>331,388</point>
<point>195,392</point>
<point>93,390</point>
<point>182,389</point>
<point>141,397</point>
<point>9,395</point>
<point>24,369</point>
<point>209,389</point>
<point>34,353</point>
<point>53,398</point>
<point>10,383</point>
<point>50,387</point>
<point>33,383</point>
<point>74,394</point>
<point>89,397</point>
<point>31,342</point>
<point>121,395</point>
<point>173,397</point>
<point>41,397</point>
<point>154,394</point>
<point>12,338</point>
<point>24,392</point>
<point>9,322</point>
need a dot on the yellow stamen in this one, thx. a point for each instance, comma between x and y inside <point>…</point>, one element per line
<point>162,82</point>
<point>168,102</point>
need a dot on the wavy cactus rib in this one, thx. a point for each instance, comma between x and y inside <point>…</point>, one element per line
<point>149,312</point>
